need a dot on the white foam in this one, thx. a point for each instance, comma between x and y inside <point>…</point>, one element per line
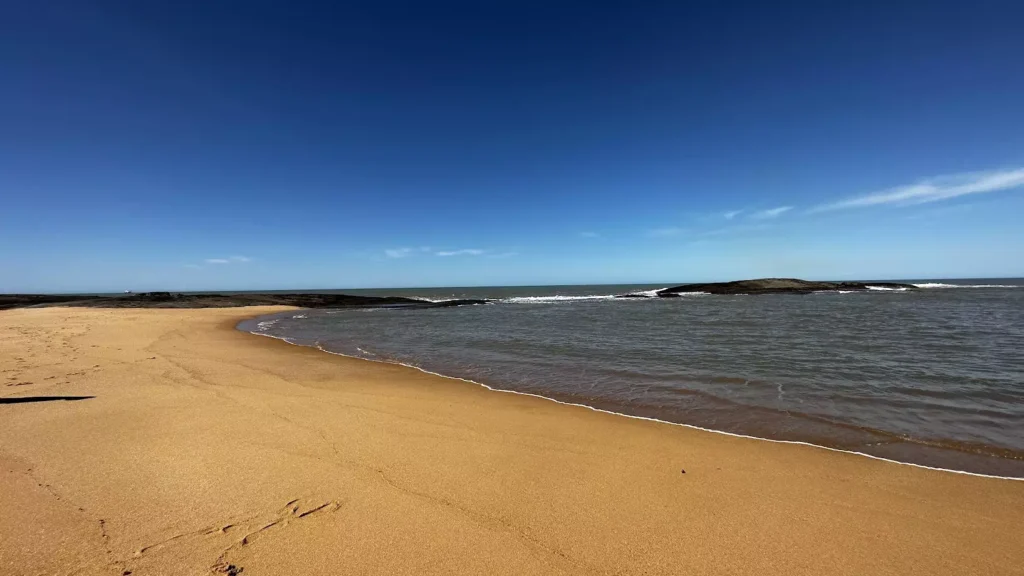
<point>691,426</point>
<point>299,316</point>
<point>647,293</point>
<point>642,295</point>
<point>554,299</point>
<point>886,289</point>
<point>941,285</point>
<point>266,324</point>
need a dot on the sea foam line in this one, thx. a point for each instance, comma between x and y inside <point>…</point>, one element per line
<point>434,300</point>
<point>553,299</point>
<point>631,296</point>
<point>266,324</point>
<point>941,285</point>
<point>690,426</point>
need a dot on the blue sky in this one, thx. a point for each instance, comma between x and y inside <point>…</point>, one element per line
<point>259,145</point>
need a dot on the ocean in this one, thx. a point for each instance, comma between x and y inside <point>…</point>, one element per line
<point>933,377</point>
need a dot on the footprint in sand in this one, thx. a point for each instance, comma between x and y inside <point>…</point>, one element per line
<point>19,383</point>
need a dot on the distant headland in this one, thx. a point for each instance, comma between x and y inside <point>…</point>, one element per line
<point>778,286</point>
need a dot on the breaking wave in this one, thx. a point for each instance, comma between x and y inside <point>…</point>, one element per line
<point>554,299</point>
<point>266,325</point>
<point>941,285</point>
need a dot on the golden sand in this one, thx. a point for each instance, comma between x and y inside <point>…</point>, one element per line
<point>206,450</point>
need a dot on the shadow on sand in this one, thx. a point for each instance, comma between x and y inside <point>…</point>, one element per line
<point>25,399</point>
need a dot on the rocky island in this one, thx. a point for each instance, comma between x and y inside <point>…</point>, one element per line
<point>779,286</point>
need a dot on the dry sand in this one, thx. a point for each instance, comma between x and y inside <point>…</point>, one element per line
<point>206,450</point>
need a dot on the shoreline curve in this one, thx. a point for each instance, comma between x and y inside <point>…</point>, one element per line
<point>631,416</point>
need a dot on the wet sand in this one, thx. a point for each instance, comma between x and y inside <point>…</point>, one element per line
<point>193,448</point>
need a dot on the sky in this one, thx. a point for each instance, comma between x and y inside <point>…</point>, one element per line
<point>291,145</point>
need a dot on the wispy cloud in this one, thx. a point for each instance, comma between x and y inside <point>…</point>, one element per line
<point>397,252</point>
<point>589,235</point>
<point>934,190</point>
<point>732,214</point>
<point>770,213</point>
<point>229,260</point>
<point>503,255</point>
<point>221,261</point>
<point>404,252</point>
<point>665,232</point>
<point>463,252</point>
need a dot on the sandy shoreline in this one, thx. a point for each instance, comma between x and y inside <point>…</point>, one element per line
<point>253,329</point>
<point>201,447</point>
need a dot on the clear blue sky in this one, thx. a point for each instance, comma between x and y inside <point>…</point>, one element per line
<point>252,145</point>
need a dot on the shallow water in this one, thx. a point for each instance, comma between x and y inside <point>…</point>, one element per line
<point>933,377</point>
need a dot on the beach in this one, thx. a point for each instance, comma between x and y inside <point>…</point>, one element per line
<point>188,447</point>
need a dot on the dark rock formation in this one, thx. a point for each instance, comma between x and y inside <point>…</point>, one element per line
<point>777,286</point>
<point>8,301</point>
<point>169,300</point>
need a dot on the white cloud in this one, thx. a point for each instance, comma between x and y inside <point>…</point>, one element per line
<point>232,259</point>
<point>665,232</point>
<point>463,252</point>
<point>732,214</point>
<point>589,235</point>
<point>403,252</point>
<point>934,190</point>
<point>771,213</point>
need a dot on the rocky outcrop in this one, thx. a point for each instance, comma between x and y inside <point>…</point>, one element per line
<point>8,301</point>
<point>778,286</point>
<point>170,300</point>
